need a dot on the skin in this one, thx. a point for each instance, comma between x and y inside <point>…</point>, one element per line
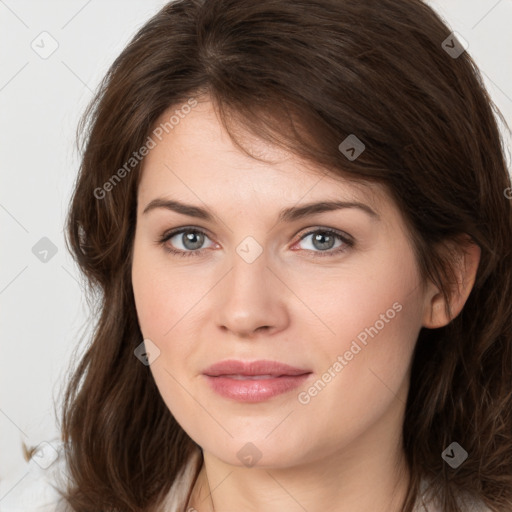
<point>341,451</point>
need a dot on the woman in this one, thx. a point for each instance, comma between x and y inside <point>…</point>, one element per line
<point>296,216</point>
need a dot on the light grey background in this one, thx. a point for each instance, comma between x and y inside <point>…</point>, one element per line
<point>41,304</point>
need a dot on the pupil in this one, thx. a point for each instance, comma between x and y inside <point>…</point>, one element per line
<point>323,245</point>
<point>189,238</point>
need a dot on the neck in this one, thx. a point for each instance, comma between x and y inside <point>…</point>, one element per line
<point>371,474</point>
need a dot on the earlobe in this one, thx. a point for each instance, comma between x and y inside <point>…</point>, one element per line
<point>465,265</point>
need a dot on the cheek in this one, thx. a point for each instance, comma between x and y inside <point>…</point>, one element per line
<point>376,320</point>
<point>150,304</point>
<point>167,300</point>
<point>360,383</point>
<point>158,293</point>
<point>160,304</point>
<point>377,299</point>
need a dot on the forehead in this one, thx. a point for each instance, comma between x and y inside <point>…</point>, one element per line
<point>197,158</point>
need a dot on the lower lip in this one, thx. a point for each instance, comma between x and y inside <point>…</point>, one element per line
<point>255,390</point>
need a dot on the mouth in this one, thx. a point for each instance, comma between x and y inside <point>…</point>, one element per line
<point>254,381</point>
<point>250,377</point>
<point>262,368</point>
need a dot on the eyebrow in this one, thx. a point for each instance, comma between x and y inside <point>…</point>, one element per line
<point>286,215</point>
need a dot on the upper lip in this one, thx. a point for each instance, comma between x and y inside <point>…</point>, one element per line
<point>262,367</point>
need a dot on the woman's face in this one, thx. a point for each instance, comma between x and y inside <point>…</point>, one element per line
<point>248,283</point>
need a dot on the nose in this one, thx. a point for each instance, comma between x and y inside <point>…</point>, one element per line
<point>250,299</point>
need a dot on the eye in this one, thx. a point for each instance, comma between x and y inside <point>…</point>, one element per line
<point>191,240</point>
<point>323,242</point>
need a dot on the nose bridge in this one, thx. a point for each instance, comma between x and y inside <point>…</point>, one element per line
<point>249,272</point>
<point>249,297</point>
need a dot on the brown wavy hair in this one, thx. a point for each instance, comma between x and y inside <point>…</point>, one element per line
<point>302,74</point>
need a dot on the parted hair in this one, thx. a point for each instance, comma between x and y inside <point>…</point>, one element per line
<point>304,75</point>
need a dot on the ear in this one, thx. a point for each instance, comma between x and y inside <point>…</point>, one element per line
<point>466,258</point>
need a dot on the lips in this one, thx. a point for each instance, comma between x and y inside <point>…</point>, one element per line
<point>255,381</point>
<point>263,368</point>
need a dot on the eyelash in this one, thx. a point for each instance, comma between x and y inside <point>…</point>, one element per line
<point>348,242</point>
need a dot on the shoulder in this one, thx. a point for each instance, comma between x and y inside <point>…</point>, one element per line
<point>35,487</point>
<point>467,503</point>
<point>471,505</point>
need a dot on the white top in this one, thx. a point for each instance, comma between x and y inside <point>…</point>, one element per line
<point>34,489</point>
